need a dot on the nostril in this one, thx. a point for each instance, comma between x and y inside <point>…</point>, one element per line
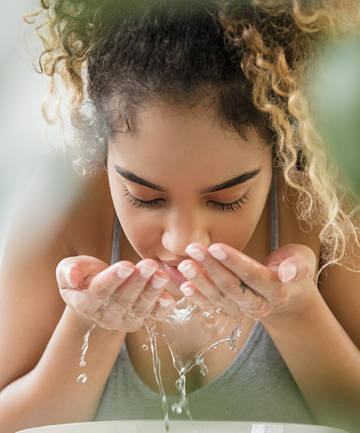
<point>176,241</point>
<point>174,244</point>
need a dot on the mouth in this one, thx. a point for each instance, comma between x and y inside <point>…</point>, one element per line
<point>175,275</point>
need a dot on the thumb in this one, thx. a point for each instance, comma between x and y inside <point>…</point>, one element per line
<point>293,262</point>
<point>72,271</point>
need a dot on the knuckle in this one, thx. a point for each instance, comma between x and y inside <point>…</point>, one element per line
<point>216,298</point>
<point>238,315</point>
<point>148,296</point>
<point>212,266</point>
<point>137,284</point>
<point>100,291</point>
<point>139,311</point>
<point>259,312</point>
<point>108,321</point>
<point>131,321</point>
<point>105,323</point>
<point>251,277</point>
<point>84,308</point>
<point>231,288</point>
<point>280,296</point>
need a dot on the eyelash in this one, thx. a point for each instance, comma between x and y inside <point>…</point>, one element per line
<point>229,207</point>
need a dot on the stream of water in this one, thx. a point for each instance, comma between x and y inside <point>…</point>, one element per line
<point>213,328</point>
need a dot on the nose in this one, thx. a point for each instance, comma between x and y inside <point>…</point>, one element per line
<point>182,230</point>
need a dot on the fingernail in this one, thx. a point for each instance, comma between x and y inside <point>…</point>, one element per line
<point>67,272</point>
<point>195,253</point>
<point>288,272</point>
<point>217,252</point>
<point>188,291</point>
<point>146,270</point>
<point>187,270</point>
<point>164,302</point>
<point>124,271</point>
<point>157,282</point>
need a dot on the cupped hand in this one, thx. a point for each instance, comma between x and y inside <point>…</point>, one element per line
<point>117,297</point>
<point>225,278</point>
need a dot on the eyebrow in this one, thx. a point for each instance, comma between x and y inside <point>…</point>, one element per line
<point>228,184</point>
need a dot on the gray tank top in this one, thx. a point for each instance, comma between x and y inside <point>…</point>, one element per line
<point>257,386</point>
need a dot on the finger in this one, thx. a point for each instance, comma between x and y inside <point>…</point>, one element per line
<point>293,262</point>
<point>222,276</point>
<point>105,284</point>
<point>231,285</point>
<point>70,272</point>
<point>120,311</point>
<point>98,290</point>
<point>209,290</point>
<point>300,266</point>
<point>126,295</point>
<point>145,303</point>
<point>196,297</point>
<point>164,305</point>
<point>262,280</point>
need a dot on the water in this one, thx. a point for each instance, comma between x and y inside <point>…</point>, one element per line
<point>157,371</point>
<point>213,328</point>
<point>83,377</point>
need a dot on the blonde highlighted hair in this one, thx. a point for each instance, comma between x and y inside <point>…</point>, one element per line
<point>251,59</point>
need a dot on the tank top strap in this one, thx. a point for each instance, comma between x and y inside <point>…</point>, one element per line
<point>116,241</point>
<point>274,223</point>
<point>274,213</point>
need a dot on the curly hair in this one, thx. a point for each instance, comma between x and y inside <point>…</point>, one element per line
<point>251,60</point>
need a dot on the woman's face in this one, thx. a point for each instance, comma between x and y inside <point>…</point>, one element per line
<point>180,177</point>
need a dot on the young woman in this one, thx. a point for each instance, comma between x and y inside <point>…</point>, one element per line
<point>192,118</point>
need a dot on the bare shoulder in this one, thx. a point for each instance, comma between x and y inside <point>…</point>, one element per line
<point>291,229</point>
<point>339,286</point>
<point>59,214</point>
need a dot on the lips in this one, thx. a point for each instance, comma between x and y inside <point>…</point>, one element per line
<point>175,275</point>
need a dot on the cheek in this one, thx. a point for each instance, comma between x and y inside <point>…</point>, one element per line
<point>143,232</point>
<point>236,234</point>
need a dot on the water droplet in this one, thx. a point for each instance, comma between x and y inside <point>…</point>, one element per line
<point>203,369</point>
<point>82,378</point>
<point>144,347</point>
<point>85,346</point>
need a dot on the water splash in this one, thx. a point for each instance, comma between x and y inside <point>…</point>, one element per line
<point>157,371</point>
<point>83,377</point>
<point>213,327</point>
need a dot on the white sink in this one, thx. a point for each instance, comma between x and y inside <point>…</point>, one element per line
<point>142,426</point>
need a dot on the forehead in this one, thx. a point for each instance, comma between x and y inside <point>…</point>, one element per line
<point>173,138</point>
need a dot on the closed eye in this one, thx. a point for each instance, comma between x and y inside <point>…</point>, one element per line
<point>142,203</point>
<point>230,207</point>
<point>155,203</point>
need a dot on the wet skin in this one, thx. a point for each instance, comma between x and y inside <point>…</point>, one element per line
<point>176,157</point>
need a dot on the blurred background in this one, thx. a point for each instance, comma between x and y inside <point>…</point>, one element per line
<point>336,93</point>
<point>337,100</point>
<point>21,92</point>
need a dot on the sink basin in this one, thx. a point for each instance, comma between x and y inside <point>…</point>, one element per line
<point>142,426</point>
